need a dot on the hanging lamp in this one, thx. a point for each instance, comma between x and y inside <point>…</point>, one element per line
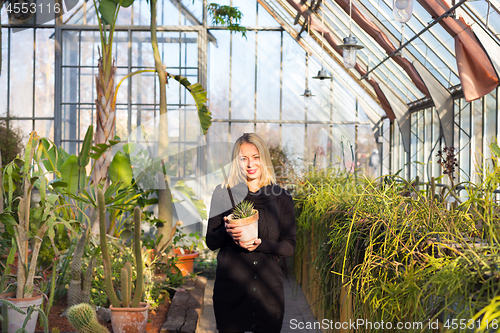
<point>350,46</point>
<point>307,98</point>
<point>322,74</point>
<point>402,10</point>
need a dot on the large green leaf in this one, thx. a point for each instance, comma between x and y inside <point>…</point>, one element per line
<point>49,156</point>
<point>120,170</point>
<point>124,3</point>
<point>200,98</point>
<point>9,222</point>
<point>107,8</point>
<point>70,173</point>
<point>84,157</point>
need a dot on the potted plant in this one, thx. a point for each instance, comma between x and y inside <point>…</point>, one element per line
<point>128,315</point>
<point>246,218</point>
<point>33,222</point>
<point>184,249</point>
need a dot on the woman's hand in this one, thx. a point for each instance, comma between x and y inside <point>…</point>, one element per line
<point>251,246</point>
<point>232,231</point>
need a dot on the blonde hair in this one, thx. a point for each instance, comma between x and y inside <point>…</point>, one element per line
<point>237,175</point>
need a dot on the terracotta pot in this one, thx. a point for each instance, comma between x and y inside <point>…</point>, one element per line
<point>129,320</point>
<point>15,318</point>
<point>186,261</point>
<point>249,227</point>
<point>149,327</point>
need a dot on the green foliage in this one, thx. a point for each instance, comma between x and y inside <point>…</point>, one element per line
<point>243,210</point>
<point>126,287</point>
<point>200,98</point>
<point>185,242</point>
<point>227,16</point>
<point>121,254</point>
<point>83,318</point>
<point>120,170</point>
<point>188,192</point>
<point>404,255</point>
<point>10,143</point>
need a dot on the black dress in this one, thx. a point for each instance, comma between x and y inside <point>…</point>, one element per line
<point>248,289</point>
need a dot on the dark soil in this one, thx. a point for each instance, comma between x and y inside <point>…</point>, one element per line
<point>157,319</point>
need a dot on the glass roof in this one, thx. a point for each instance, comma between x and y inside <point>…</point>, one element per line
<point>434,49</point>
<point>485,13</point>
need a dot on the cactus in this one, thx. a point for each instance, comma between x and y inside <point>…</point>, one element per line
<point>83,318</point>
<point>126,273</point>
<point>242,210</point>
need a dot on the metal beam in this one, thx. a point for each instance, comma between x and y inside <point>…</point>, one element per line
<point>433,23</point>
<point>443,101</point>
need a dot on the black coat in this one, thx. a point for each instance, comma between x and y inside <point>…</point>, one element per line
<point>248,289</point>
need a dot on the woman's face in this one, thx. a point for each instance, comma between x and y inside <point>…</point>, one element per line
<point>249,159</point>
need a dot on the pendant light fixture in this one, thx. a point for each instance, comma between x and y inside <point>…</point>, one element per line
<point>402,10</point>
<point>307,92</point>
<point>350,46</point>
<point>322,74</point>
<point>307,98</point>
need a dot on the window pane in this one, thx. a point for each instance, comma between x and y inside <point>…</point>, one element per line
<point>21,84</point>
<point>318,145</point>
<point>243,77</point>
<point>294,83</point>
<point>3,73</point>
<point>218,75</point>
<point>293,137</point>
<point>270,133</point>
<point>268,75</point>
<point>44,71</point>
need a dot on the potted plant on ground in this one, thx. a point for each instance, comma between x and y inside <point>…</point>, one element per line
<point>33,222</point>
<point>185,249</point>
<point>246,218</point>
<point>128,315</point>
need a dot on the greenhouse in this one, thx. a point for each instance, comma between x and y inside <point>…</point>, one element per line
<point>249,166</point>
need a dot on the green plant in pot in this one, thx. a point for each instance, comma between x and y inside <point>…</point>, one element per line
<point>246,218</point>
<point>185,249</point>
<point>128,314</point>
<point>29,226</point>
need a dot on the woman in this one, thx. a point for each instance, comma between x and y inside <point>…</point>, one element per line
<point>248,290</point>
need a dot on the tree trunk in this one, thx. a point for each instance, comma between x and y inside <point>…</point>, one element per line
<point>105,111</point>
<point>165,207</point>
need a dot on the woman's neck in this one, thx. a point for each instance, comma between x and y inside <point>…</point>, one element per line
<point>253,185</point>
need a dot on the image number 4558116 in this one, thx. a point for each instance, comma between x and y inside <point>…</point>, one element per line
<point>27,13</point>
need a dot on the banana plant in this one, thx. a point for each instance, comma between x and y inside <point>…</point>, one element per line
<point>105,82</point>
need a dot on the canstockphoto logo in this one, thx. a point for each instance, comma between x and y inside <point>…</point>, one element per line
<point>24,13</point>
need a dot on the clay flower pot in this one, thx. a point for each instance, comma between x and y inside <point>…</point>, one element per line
<point>129,320</point>
<point>249,227</point>
<point>16,319</point>
<point>185,261</point>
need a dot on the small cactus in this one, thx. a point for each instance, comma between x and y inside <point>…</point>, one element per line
<point>243,210</point>
<point>83,318</point>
